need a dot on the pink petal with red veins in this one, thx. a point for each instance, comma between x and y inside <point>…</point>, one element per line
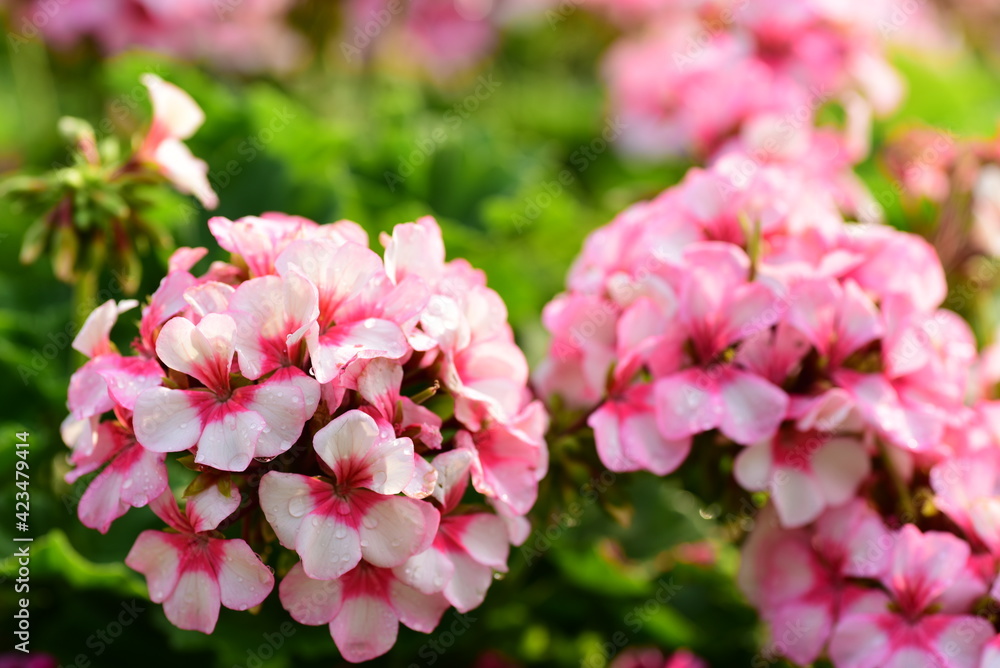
<point>188,173</point>
<point>207,508</point>
<point>93,338</point>
<point>752,467</point>
<point>204,351</point>
<point>923,566</point>
<point>854,540</point>
<point>340,271</point>
<point>467,587</point>
<point>715,270</point>
<point>286,499</point>
<point>184,258</point>
<point>175,113</point>
<point>858,321</point>
<point>195,603</point>
<point>991,654</point>
<point>285,402</point>
<point>209,297</point>
<point>128,377</point>
<point>243,580</point>
<point>229,438</point>
<point>132,479</point>
<point>751,407</point>
<point>88,391</point>
<point>877,399</point>
<point>168,420</point>
<point>506,465</point>
<point>750,311</point>
<point>157,555</point>
<point>360,453</point>
<point>797,498</point>
<point>272,314</point>
<point>628,439</point>
<point>453,477</point>
<point>985,517</point>
<point>328,544</point>
<point>839,465</point>
<point>482,536</point>
<point>166,302</point>
<point>813,311</point>
<point>379,385</point>
<point>687,403</point>
<point>419,611</point>
<point>345,442</point>
<point>808,624</point>
<point>424,480</point>
<point>957,641</point>
<point>394,528</point>
<point>415,249</point>
<point>365,628</point>
<point>332,350</point>
<point>863,641</point>
<point>428,571</point>
<point>309,601</point>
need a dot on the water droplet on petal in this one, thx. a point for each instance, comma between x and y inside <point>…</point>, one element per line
<point>369,521</point>
<point>299,505</point>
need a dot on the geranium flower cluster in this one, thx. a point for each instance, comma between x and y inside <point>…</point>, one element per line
<point>697,73</point>
<point>441,37</point>
<point>329,400</point>
<point>745,315</point>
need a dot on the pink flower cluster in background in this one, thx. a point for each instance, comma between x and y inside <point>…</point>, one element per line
<point>241,35</point>
<point>442,37</point>
<point>688,75</point>
<point>321,396</point>
<point>741,312</point>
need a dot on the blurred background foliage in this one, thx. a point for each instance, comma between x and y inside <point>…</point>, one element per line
<point>611,557</point>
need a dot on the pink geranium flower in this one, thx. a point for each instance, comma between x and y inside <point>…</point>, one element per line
<point>193,572</point>
<point>718,307</point>
<point>132,478</point>
<point>108,379</point>
<point>967,490</point>
<point>175,118</point>
<point>806,472</point>
<point>363,608</point>
<point>468,547</point>
<point>229,425</point>
<point>334,525</point>
<point>924,567</point>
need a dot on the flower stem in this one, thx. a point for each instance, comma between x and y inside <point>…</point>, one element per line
<point>902,490</point>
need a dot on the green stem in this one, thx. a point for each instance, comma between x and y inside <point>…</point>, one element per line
<point>902,491</point>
